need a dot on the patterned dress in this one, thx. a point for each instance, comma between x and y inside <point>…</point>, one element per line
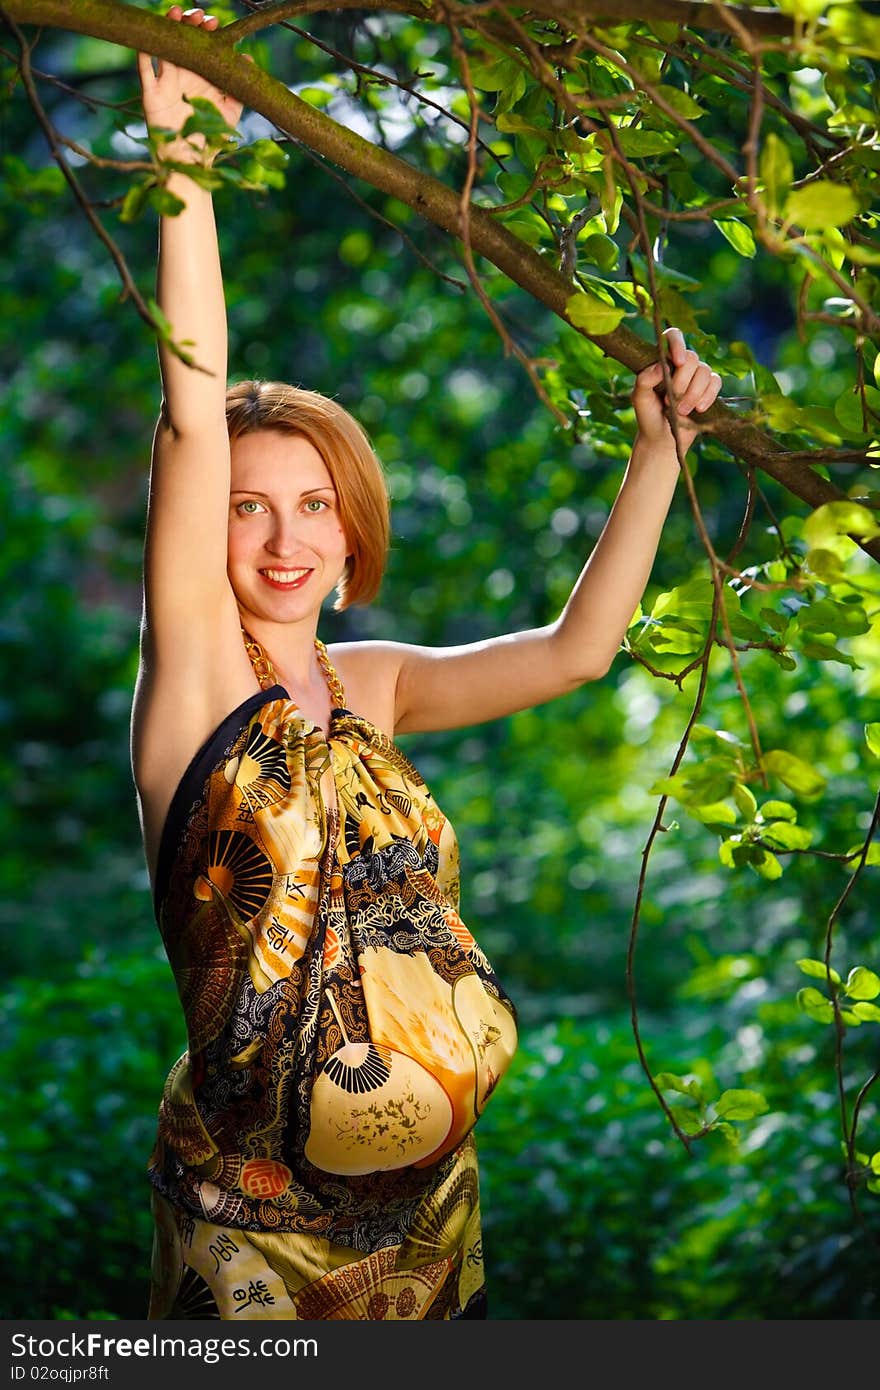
<point>314,1156</point>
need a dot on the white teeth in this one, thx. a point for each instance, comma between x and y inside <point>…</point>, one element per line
<point>284,576</point>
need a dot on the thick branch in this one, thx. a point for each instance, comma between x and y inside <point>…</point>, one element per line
<point>436,202</point>
<point>701,14</point>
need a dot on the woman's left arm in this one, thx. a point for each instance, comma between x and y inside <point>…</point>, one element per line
<point>450,687</point>
<point>587,635</point>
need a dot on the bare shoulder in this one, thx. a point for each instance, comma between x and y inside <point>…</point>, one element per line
<point>369,672</point>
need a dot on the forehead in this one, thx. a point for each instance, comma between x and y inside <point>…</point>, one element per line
<point>271,461</point>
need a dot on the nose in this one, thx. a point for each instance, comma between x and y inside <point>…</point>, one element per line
<point>285,536</point>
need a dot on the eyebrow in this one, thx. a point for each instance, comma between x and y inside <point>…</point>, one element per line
<point>253,492</point>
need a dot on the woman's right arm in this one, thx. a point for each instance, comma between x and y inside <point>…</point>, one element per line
<point>193,666</point>
<point>185,552</point>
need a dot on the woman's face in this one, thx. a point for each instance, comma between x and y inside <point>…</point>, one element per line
<point>286,550</point>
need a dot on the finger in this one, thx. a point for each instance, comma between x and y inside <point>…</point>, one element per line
<point>649,377</point>
<point>675,345</point>
<point>710,395</point>
<point>145,69</point>
<point>683,376</point>
<point>688,395</point>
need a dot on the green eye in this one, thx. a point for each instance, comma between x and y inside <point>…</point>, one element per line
<point>248,507</point>
<point>315,504</point>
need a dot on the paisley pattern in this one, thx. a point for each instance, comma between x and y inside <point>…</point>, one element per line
<point>314,1155</point>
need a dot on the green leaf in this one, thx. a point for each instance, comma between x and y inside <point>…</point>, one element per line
<point>825,565</point>
<point>816,968</point>
<point>688,1121</point>
<point>494,73</point>
<point>821,204</point>
<point>873,855</point>
<point>868,1013</point>
<point>745,801</point>
<point>691,600</point>
<point>636,142</point>
<point>713,813</point>
<point>681,102</point>
<point>815,1005</point>
<point>740,1105</point>
<point>268,153</point>
<point>776,170</point>
<point>135,201</point>
<point>872,731</point>
<point>600,250</point>
<point>794,772</point>
<point>783,659</point>
<point>777,621</point>
<point>784,835</point>
<point>823,651</point>
<point>766,864</point>
<point>840,619</point>
<point>739,235</point>
<point>728,1132</point>
<point>862,983</point>
<point>840,519</point>
<point>592,314</point>
<point>852,410</point>
<point>205,120</point>
<point>670,1081</point>
<point>165,203</point>
<point>163,324</point>
<point>778,810</point>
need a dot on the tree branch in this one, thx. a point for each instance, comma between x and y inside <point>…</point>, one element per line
<point>199,52</point>
<point>701,14</point>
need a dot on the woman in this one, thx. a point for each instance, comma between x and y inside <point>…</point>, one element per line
<point>315,1156</point>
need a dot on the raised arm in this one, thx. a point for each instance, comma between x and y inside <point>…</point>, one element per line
<point>193,668</point>
<point>448,687</point>
<point>185,554</point>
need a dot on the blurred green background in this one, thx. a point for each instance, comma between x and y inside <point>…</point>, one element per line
<point>592,1208</point>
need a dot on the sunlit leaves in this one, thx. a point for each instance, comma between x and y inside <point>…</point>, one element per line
<point>850,999</point>
<point>796,774</point>
<point>738,234</point>
<point>705,1116</point>
<point>840,518</point>
<point>818,969</point>
<point>777,171</point>
<point>815,1005</point>
<point>592,314</point>
<point>821,204</point>
<point>862,983</point>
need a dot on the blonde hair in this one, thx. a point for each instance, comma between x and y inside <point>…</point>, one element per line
<point>357,474</point>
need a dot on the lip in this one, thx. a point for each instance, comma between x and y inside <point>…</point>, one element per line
<point>286,586</point>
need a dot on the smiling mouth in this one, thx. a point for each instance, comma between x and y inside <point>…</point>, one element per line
<point>286,579</point>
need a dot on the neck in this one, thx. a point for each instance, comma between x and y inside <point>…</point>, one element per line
<point>301,665</point>
<point>289,649</point>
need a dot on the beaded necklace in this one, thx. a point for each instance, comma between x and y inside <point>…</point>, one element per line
<point>265,671</point>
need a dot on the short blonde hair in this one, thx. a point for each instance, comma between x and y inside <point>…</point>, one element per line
<point>357,474</point>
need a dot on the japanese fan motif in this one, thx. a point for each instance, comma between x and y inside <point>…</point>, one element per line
<point>345,1031</point>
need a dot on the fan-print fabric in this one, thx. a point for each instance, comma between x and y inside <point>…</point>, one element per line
<point>314,1156</point>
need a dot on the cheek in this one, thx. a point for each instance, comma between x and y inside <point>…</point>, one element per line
<point>239,542</point>
<point>334,533</point>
